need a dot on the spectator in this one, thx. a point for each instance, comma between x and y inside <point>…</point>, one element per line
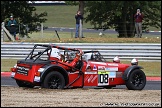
<point>78,17</point>
<point>12,26</point>
<point>138,23</point>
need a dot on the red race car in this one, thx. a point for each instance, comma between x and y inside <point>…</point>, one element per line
<point>55,67</point>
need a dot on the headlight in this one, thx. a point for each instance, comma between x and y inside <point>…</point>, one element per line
<point>15,65</point>
<point>40,69</point>
<point>134,61</point>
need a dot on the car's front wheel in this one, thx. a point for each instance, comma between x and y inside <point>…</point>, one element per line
<point>54,80</point>
<point>136,80</point>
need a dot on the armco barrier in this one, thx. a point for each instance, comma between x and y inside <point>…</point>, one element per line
<point>125,51</point>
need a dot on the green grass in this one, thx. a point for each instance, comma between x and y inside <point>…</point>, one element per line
<point>150,68</point>
<point>60,16</point>
<point>68,37</point>
<point>63,16</point>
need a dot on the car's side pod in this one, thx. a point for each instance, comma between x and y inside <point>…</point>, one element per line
<point>129,70</point>
<point>50,68</point>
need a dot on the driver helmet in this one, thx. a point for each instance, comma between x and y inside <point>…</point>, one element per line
<point>134,61</point>
<point>116,59</point>
<point>55,53</point>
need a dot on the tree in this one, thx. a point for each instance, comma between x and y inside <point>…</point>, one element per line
<point>23,12</point>
<point>80,3</point>
<point>119,15</point>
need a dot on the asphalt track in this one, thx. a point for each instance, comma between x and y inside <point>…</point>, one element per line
<point>111,31</point>
<point>153,83</point>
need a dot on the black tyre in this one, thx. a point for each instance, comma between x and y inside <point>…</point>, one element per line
<point>24,84</point>
<point>54,80</point>
<point>136,80</point>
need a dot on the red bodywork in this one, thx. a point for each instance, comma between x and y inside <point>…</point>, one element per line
<point>92,73</point>
<point>100,74</point>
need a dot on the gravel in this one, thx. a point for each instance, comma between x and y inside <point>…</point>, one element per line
<point>79,97</point>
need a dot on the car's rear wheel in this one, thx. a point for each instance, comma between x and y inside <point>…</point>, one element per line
<point>136,80</point>
<point>54,80</point>
<point>24,84</point>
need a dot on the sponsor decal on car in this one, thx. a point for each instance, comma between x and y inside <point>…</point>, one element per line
<point>101,67</point>
<point>112,74</point>
<point>111,68</point>
<point>90,72</point>
<point>90,78</point>
<point>104,73</point>
<point>94,67</point>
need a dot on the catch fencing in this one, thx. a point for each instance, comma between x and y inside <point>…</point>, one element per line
<point>125,51</point>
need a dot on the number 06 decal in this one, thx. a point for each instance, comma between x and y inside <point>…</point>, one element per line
<point>103,78</point>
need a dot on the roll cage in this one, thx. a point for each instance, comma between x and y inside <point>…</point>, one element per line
<point>95,56</point>
<point>41,52</point>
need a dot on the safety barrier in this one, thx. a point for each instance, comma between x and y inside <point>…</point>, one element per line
<point>125,51</point>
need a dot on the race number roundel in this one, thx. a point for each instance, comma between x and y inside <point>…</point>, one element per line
<point>103,78</point>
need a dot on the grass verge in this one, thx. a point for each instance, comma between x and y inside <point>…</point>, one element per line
<point>68,37</point>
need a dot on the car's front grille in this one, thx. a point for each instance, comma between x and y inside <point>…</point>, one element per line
<point>22,70</point>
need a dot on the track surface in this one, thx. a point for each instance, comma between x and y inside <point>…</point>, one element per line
<point>112,31</point>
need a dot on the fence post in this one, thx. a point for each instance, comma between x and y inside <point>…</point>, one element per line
<point>10,37</point>
<point>2,32</point>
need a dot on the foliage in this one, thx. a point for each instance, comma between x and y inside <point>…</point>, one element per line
<point>72,3</point>
<point>80,3</point>
<point>24,13</point>
<point>119,15</point>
